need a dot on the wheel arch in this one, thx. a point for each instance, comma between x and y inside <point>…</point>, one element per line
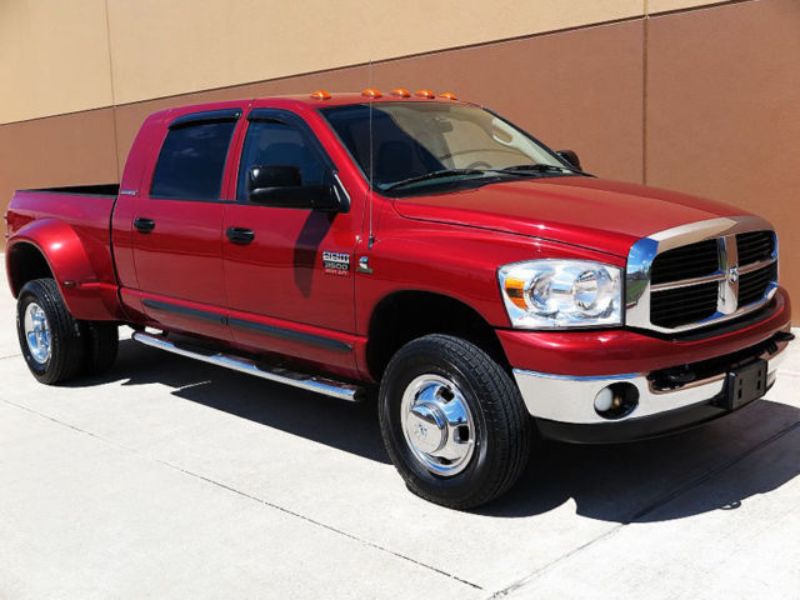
<point>404,315</point>
<point>50,248</point>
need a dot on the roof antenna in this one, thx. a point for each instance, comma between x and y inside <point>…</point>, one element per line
<point>371,238</point>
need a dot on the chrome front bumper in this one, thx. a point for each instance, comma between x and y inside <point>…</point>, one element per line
<point>570,399</point>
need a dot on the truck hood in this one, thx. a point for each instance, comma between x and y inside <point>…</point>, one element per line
<point>603,215</point>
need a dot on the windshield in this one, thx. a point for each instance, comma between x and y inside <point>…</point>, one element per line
<point>421,144</point>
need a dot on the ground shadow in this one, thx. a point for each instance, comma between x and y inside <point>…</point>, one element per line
<point>668,478</point>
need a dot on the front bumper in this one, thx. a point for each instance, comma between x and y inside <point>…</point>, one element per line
<point>562,399</point>
<point>564,405</point>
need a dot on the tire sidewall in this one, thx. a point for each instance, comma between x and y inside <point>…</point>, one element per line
<point>66,342</point>
<point>27,297</point>
<point>399,375</point>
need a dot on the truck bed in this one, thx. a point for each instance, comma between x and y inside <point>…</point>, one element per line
<point>39,215</point>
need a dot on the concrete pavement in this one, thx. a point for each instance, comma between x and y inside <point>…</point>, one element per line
<point>169,478</point>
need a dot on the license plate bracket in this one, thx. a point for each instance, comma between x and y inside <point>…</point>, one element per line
<point>745,384</point>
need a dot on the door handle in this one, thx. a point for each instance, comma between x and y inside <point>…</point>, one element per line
<point>144,225</point>
<point>240,235</point>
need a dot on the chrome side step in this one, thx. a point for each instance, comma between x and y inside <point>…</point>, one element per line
<point>320,385</point>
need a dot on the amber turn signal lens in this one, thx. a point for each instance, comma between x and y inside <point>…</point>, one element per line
<point>425,94</point>
<point>515,290</point>
<point>448,96</point>
<point>402,92</point>
<point>321,95</point>
<point>371,93</point>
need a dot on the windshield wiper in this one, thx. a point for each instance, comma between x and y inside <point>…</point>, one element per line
<point>434,175</point>
<point>541,168</point>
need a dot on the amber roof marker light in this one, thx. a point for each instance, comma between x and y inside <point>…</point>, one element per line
<point>425,94</point>
<point>448,96</point>
<point>371,92</point>
<point>402,92</point>
<point>321,94</point>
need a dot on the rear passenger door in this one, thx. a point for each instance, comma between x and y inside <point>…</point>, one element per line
<point>178,226</point>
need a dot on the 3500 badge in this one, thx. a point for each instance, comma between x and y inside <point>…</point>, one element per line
<point>336,263</point>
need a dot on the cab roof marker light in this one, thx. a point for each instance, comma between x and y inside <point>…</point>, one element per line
<point>448,96</point>
<point>371,92</point>
<point>425,94</point>
<point>321,94</point>
<point>402,92</point>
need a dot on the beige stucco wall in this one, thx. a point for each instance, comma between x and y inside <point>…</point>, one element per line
<point>61,56</point>
<point>53,57</point>
<point>235,41</point>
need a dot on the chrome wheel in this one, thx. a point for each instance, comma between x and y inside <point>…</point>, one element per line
<point>37,333</point>
<point>438,425</point>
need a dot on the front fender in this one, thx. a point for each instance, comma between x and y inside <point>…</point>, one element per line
<point>82,270</point>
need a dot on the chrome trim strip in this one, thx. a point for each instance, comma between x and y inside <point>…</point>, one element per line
<point>320,385</point>
<point>643,252</point>
<point>570,399</point>
<point>718,276</point>
<point>755,266</point>
<point>682,283</point>
<point>341,193</point>
<point>620,377</point>
<point>728,294</point>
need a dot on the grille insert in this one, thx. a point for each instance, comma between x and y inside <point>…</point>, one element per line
<point>753,286</point>
<point>694,260</point>
<point>755,246</point>
<point>672,308</point>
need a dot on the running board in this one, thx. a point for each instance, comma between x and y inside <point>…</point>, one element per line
<point>320,385</point>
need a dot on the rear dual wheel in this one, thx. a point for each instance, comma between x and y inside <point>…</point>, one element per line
<point>453,422</point>
<point>56,346</point>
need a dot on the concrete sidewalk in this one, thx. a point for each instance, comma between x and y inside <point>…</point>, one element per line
<point>172,479</point>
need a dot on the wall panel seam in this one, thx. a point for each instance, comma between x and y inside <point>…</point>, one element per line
<point>113,93</point>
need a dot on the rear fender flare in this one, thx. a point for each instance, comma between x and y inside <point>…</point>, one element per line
<point>87,297</point>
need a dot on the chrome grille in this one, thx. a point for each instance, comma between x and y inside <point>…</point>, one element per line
<point>696,275</point>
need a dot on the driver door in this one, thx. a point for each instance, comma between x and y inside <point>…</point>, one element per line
<point>283,295</point>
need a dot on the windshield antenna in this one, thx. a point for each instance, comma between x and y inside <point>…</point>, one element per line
<point>371,238</point>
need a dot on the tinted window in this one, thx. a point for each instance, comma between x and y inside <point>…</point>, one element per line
<point>272,144</point>
<point>192,161</point>
<point>395,141</point>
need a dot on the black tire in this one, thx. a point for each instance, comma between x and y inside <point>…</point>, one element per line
<point>66,347</point>
<point>503,428</point>
<point>101,341</point>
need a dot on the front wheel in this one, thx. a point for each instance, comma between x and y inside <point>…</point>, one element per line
<point>453,422</point>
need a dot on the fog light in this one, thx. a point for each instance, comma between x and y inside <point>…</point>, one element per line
<point>616,400</point>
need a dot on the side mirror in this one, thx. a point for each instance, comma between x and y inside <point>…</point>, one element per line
<point>571,157</point>
<point>282,186</point>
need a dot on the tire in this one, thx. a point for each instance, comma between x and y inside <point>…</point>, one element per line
<point>445,374</point>
<point>66,351</point>
<point>101,344</point>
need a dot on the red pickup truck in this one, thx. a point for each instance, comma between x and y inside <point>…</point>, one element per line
<point>491,291</point>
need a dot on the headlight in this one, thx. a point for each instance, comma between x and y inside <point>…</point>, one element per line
<point>555,294</point>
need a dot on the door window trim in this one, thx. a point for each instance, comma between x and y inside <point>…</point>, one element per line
<point>222,115</point>
<point>290,119</point>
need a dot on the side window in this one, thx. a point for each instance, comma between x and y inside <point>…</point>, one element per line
<point>192,161</point>
<point>274,143</point>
